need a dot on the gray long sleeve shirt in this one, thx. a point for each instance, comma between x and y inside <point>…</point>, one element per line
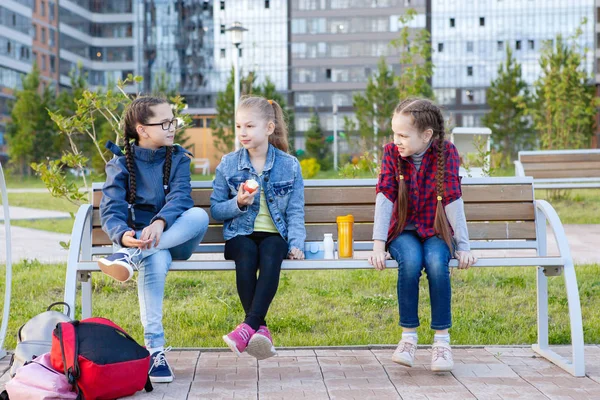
<point>455,212</point>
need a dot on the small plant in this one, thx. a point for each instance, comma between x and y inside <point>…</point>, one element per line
<point>310,168</point>
<point>479,159</point>
<point>364,165</point>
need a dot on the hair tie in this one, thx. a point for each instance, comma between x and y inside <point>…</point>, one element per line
<point>401,177</point>
<point>439,198</point>
<point>270,102</point>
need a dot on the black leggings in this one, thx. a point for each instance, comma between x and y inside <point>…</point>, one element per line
<point>262,251</point>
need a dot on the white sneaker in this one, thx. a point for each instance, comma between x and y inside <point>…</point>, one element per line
<point>441,357</point>
<point>120,264</point>
<point>405,352</point>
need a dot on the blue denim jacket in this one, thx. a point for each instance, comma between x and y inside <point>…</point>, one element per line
<point>150,200</point>
<point>284,192</point>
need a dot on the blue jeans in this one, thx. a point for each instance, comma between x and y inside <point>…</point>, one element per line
<point>176,243</point>
<point>413,254</point>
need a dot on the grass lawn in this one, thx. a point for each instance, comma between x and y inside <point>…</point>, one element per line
<point>63,225</point>
<point>313,308</point>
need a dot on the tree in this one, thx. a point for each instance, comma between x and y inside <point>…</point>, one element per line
<point>97,118</point>
<point>224,122</point>
<point>375,106</point>
<point>316,146</point>
<point>30,133</point>
<point>564,106</point>
<point>511,128</point>
<point>415,60</point>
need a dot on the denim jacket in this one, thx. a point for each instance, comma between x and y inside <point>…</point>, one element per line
<point>284,192</point>
<point>150,200</point>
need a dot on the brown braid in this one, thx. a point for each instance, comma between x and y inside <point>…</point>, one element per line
<point>426,115</point>
<point>139,112</point>
<point>401,202</point>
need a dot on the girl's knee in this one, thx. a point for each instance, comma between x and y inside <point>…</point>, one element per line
<point>199,216</point>
<point>437,264</point>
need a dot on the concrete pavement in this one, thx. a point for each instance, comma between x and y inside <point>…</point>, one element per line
<point>495,372</point>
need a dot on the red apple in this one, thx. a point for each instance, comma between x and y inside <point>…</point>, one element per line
<point>250,186</point>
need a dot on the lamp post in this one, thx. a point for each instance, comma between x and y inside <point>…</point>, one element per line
<point>237,31</point>
<point>335,139</point>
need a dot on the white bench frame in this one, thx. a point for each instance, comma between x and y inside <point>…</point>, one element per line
<point>559,183</point>
<point>81,264</point>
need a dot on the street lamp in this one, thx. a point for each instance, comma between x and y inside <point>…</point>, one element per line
<point>237,31</point>
<point>335,139</point>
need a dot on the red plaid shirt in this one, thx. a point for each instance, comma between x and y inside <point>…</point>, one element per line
<point>421,185</point>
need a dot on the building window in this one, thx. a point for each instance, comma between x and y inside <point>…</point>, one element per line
<point>440,47</point>
<point>51,11</point>
<point>199,122</point>
<point>43,8</point>
<point>208,121</point>
<point>44,35</point>
<point>222,29</point>
<point>222,53</point>
<point>452,23</point>
<point>531,44</point>
<point>53,64</point>
<point>267,4</point>
<point>328,73</point>
<point>518,45</point>
<point>499,45</point>
<point>469,47</point>
<point>469,71</point>
<point>481,21</point>
<point>222,4</point>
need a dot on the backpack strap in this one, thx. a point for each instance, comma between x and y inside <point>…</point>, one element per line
<point>147,388</point>
<point>69,348</point>
<point>60,303</point>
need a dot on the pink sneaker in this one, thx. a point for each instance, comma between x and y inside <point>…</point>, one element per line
<point>261,344</point>
<point>238,339</point>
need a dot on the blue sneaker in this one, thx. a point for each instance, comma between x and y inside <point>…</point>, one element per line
<point>120,264</point>
<point>160,371</point>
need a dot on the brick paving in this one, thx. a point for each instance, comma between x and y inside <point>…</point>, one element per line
<point>347,373</point>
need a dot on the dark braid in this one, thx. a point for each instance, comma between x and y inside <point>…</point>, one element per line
<point>139,112</point>
<point>426,115</point>
<point>131,168</point>
<point>401,202</point>
<point>167,169</point>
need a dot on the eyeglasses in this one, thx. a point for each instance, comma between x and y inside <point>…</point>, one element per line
<point>167,124</point>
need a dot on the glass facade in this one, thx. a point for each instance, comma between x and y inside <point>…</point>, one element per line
<point>176,47</point>
<point>470,38</point>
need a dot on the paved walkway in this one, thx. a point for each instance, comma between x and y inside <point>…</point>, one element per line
<point>20,213</point>
<point>479,373</point>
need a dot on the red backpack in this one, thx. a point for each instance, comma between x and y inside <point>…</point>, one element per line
<point>100,359</point>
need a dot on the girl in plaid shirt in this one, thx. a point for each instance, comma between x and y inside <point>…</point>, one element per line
<point>420,220</point>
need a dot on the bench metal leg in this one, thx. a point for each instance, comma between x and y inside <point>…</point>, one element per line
<point>86,297</point>
<point>80,239</point>
<point>576,366</point>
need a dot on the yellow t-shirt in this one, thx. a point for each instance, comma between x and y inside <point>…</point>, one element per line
<point>263,221</point>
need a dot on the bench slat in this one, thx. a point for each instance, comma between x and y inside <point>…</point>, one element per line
<point>559,158</point>
<point>364,232</point>
<point>336,195</point>
<point>582,173</point>
<point>326,214</point>
<point>567,166</point>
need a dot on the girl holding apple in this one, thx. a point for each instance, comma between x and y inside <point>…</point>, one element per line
<point>258,192</point>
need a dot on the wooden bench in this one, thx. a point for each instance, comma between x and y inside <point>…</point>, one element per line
<point>560,169</point>
<point>501,212</point>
